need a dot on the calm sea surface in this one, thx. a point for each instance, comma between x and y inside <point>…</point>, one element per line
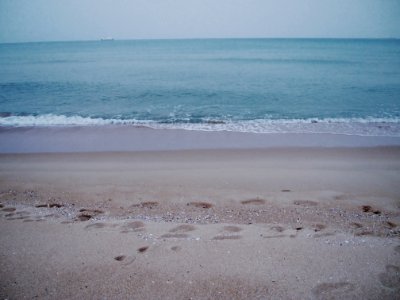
<point>252,85</point>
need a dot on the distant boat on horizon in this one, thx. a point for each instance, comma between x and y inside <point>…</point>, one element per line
<point>107,39</point>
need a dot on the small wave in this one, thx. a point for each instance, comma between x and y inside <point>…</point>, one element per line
<point>61,120</point>
<point>351,126</point>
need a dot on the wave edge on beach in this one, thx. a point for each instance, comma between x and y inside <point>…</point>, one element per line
<point>348,126</point>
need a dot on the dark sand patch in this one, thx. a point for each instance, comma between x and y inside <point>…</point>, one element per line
<point>390,278</point>
<point>200,204</point>
<point>49,205</point>
<point>318,227</point>
<point>369,209</point>
<point>285,191</point>
<point>96,225</point>
<point>84,217</point>
<point>366,208</point>
<point>176,248</point>
<point>364,233</point>
<point>256,201</point>
<point>133,226</point>
<point>356,225</point>
<point>340,197</point>
<point>183,228</point>
<point>9,209</point>
<point>18,218</point>
<point>66,222</point>
<point>87,214</point>
<point>147,204</point>
<point>175,236</point>
<point>278,228</point>
<point>120,257</point>
<point>91,211</point>
<point>231,228</point>
<point>143,249</point>
<point>390,225</point>
<point>274,236</point>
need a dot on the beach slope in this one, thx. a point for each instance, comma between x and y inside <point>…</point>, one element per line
<point>281,223</point>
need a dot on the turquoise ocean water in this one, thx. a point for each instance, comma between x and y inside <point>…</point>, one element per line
<point>248,85</point>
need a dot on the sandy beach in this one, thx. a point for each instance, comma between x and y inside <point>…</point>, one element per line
<point>266,223</point>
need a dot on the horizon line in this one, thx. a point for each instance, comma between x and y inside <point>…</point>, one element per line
<point>111,39</point>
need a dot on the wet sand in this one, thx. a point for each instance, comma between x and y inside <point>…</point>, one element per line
<point>274,223</point>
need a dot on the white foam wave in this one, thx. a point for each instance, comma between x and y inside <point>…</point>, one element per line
<point>353,126</point>
<point>60,120</point>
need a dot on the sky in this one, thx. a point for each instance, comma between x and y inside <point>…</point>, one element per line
<point>56,20</point>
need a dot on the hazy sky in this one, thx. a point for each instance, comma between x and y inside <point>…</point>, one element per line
<point>43,20</point>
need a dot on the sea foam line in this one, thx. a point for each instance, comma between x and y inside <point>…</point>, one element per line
<point>351,126</point>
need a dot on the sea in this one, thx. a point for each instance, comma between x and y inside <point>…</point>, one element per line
<point>344,86</point>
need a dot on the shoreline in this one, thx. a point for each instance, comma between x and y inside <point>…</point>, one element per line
<point>114,138</point>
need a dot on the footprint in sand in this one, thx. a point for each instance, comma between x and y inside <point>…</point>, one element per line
<point>9,209</point>
<point>147,204</point>
<point>17,218</point>
<point>84,217</point>
<point>143,249</point>
<point>183,228</point>
<point>319,227</point>
<point>120,257</point>
<point>67,222</point>
<point>256,201</point>
<point>276,228</point>
<point>274,236</point>
<point>231,228</point>
<point>390,225</point>
<point>390,278</point>
<point>96,226</point>
<point>176,248</point>
<point>49,205</point>
<point>226,233</point>
<point>125,260</point>
<point>369,209</point>
<point>356,225</point>
<point>134,226</point>
<point>365,233</point>
<point>333,290</point>
<point>200,204</point>
<point>87,214</point>
<point>305,203</point>
<point>91,211</point>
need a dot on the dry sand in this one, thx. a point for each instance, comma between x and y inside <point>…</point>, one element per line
<point>289,223</point>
